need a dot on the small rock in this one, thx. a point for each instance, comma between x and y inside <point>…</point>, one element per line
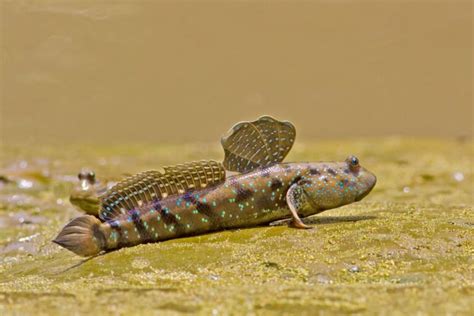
<point>28,238</point>
<point>214,277</point>
<point>25,184</point>
<point>458,176</point>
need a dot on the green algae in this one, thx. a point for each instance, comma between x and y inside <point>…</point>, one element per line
<point>406,248</point>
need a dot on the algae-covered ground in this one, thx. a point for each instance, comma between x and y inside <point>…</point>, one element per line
<point>406,249</point>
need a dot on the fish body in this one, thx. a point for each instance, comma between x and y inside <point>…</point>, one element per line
<point>196,197</point>
<point>255,198</point>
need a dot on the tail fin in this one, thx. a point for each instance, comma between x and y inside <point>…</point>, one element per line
<point>82,236</point>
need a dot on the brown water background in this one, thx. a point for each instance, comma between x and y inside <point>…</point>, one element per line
<point>170,71</point>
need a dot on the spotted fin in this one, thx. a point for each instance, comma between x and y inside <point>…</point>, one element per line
<point>148,186</point>
<point>249,145</point>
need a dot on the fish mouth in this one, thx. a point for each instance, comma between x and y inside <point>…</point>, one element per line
<point>370,185</point>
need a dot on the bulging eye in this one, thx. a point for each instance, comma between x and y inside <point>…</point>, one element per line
<point>88,176</point>
<point>353,162</point>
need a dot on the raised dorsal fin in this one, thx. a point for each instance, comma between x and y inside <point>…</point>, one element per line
<point>153,185</point>
<point>249,145</point>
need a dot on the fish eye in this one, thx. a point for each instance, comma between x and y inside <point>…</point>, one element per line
<point>353,162</point>
<point>89,176</point>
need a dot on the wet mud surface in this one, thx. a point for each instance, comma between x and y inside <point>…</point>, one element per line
<point>406,248</point>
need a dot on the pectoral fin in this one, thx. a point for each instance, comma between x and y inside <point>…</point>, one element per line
<point>295,199</point>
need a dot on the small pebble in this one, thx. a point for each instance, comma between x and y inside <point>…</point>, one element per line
<point>354,269</point>
<point>25,184</point>
<point>214,277</point>
<point>458,176</point>
<point>28,238</point>
<point>406,189</point>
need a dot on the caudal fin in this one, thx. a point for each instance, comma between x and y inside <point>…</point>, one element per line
<point>82,236</point>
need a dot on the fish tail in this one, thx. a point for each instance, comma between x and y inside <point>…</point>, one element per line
<point>83,236</point>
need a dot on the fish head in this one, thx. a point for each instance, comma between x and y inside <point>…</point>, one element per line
<point>363,180</point>
<point>336,184</point>
<point>85,195</point>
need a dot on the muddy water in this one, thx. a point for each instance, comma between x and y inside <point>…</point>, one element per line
<point>128,71</point>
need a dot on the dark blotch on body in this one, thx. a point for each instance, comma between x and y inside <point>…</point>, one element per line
<point>276,184</point>
<point>331,171</point>
<point>137,221</point>
<point>314,172</point>
<point>295,180</point>
<point>157,205</point>
<point>304,182</point>
<point>168,217</point>
<point>188,197</point>
<point>204,209</point>
<point>243,194</point>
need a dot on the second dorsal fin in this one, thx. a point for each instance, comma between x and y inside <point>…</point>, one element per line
<point>249,145</point>
<point>152,185</point>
